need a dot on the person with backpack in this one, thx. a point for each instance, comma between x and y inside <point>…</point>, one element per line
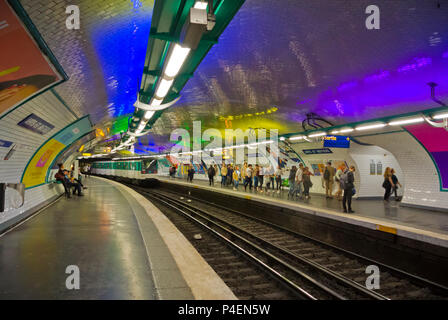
<point>328,179</point>
<point>347,182</point>
<point>211,175</point>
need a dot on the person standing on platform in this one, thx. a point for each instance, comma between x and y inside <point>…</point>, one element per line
<point>211,175</point>
<point>260,179</point>
<point>215,166</point>
<point>337,178</point>
<point>307,184</point>
<point>278,179</point>
<point>299,181</point>
<point>270,177</point>
<point>348,184</point>
<point>256,175</point>
<point>190,173</point>
<point>243,171</point>
<point>248,178</point>
<point>388,184</point>
<point>229,174</point>
<point>223,174</point>
<point>236,176</point>
<point>292,181</point>
<point>396,183</point>
<point>328,179</point>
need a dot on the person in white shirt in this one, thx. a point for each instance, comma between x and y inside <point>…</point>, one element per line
<point>278,178</point>
<point>299,180</point>
<point>337,178</point>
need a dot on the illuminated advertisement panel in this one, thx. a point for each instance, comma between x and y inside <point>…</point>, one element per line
<point>36,171</point>
<point>25,70</point>
<point>435,141</point>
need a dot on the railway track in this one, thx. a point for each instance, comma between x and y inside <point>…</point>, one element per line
<point>308,268</point>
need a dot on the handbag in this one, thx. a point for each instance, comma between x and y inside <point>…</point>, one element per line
<point>353,191</point>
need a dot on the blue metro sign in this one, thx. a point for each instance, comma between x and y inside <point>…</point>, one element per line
<point>337,142</point>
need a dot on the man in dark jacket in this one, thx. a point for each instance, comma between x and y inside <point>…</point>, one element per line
<point>211,175</point>
<point>349,185</point>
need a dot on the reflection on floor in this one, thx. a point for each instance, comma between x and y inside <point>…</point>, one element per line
<point>388,211</point>
<point>98,233</point>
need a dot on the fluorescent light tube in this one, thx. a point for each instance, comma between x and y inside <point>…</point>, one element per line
<point>440,116</point>
<point>405,121</point>
<point>371,126</point>
<point>296,138</point>
<point>335,132</point>
<point>200,5</point>
<point>148,115</point>
<point>317,134</point>
<point>346,130</point>
<point>163,88</point>
<point>176,60</point>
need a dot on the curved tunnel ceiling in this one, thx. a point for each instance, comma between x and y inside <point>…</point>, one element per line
<point>275,62</point>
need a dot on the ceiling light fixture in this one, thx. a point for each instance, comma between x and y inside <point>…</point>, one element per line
<point>371,126</point>
<point>440,116</point>
<point>200,5</point>
<point>164,86</point>
<point>176,60</point>
<point>346,130</point>
<point>296,138</point>
<point>406,121</point>
<point>319,134</point>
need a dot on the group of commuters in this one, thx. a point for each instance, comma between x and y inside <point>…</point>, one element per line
<point>266,179</point>
<point>66,177</point>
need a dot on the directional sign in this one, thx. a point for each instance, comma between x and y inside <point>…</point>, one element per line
<point>337,142</point>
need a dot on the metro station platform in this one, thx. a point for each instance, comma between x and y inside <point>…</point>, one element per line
<point>414,223</point>
<point>124,247</point>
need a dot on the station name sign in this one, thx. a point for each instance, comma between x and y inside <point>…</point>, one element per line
<point>336,142</point>
<point>317,151</point>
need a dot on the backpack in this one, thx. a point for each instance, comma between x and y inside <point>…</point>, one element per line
<point>327,174</point>
<point>343,180</point>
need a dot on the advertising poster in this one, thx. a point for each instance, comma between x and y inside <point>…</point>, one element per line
<point>379,168</point>
<point>24,69</point>
<point>36,124</point>
<point>372,167</point>
<point>36,171</point>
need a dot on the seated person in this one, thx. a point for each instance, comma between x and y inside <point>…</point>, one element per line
<point>63,176</point>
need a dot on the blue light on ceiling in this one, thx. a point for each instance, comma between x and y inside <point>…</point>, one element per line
<point>122,56</point>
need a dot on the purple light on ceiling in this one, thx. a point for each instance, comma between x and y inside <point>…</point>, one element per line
<point>377,77</point>
<point>419,63</point>
<point>445,54</point>
<point>347,86</point>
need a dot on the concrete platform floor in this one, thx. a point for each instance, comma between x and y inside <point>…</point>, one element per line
<point>98,233</point>
<point>391,211</point>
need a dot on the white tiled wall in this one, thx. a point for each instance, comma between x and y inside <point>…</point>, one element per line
<point>421,179</point>
<point>49,108</point>
<point>372,185</point>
